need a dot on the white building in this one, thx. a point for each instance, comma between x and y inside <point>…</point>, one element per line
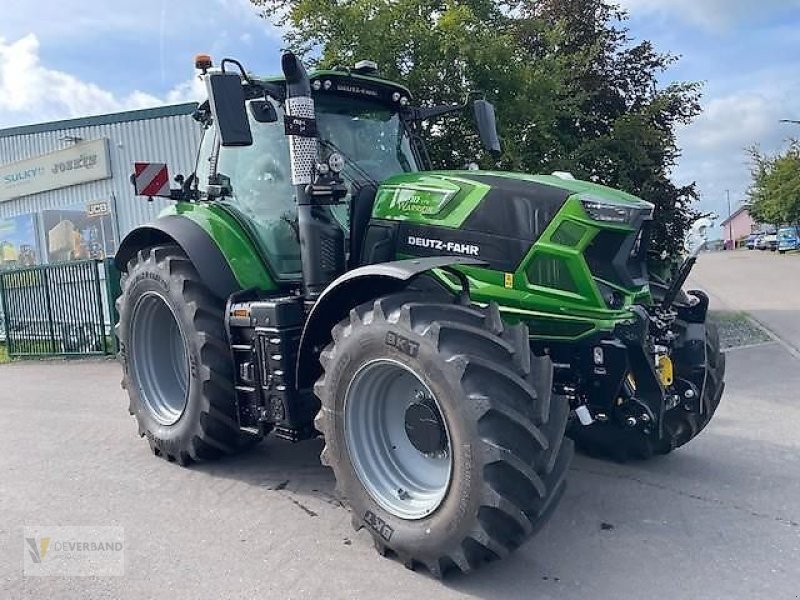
<point>65,190</point>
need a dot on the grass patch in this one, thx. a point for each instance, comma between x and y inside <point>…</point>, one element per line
<point>3,354</point>
<point>736,329</point>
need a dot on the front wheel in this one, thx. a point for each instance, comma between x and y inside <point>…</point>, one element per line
<point>177,366</point>
<point>697,359</point>
<point>441,430</point>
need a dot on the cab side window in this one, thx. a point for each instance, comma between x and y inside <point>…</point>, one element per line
<point>261,183</point>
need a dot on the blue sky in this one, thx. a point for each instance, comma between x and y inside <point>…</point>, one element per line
<point>65,58</point>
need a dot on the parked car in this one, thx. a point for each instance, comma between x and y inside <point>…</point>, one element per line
<point>770,242</point>
<point>750,242</point>
<point>759,244</point>
<point>788,239</point>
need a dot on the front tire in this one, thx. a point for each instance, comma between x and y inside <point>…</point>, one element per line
<point>492,465</point>
<point>177,366</point>
<point>706,369</point>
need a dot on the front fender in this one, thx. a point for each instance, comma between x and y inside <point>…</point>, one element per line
<point>348,291</point>
<point>221,252</point>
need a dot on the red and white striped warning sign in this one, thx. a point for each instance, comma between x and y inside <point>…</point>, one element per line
<point>151,179</point>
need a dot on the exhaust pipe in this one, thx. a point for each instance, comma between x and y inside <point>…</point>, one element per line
<point>321,238</point>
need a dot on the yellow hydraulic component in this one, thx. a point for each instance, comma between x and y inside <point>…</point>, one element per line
<point>665,370</point>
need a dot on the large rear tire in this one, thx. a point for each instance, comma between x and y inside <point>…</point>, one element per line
<point>177,365</point>
<point>483,468</point>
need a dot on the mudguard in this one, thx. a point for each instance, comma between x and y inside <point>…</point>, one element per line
<point>351,289</point>
<point>205,255</point>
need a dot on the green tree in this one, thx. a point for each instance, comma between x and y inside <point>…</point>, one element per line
<point>775,188</point>
<point>573,92</point>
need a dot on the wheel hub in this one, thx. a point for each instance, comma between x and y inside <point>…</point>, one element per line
<point>424,427</point>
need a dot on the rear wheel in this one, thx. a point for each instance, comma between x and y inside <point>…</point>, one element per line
<point>177,366</point>
<point>441,430</point>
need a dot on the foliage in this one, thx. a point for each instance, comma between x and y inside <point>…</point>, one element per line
<point>775,189</point>
<point>3,354</point>
<point>573,92</point>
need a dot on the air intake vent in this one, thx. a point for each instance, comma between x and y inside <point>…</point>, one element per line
<point>568,234</point>
<point>552,272</point>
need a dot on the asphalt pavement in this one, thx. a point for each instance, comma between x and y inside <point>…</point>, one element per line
<point>717,519</point>
<point>764,284</point>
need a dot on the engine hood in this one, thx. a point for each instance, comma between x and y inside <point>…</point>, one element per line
<point>495,203</point>
<point>499,216</point>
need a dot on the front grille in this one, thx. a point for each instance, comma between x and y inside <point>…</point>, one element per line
<point>619,257</point>
<point>600,255</point>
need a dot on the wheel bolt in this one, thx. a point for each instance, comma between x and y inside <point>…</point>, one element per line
<point>630,421</point>
<point>688,393</point>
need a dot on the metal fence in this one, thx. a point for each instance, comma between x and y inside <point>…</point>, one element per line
<point>62,309</point>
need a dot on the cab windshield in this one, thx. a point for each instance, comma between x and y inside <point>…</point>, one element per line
<point>372,139</point>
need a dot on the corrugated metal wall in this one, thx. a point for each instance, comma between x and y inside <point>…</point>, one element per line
<point>171,139</point>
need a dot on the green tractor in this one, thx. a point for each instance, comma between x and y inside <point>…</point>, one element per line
<point>451,334</point>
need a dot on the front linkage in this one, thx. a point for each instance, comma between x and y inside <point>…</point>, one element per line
<point>652,384</point>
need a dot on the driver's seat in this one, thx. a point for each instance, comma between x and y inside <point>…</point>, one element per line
<point>360,214</point>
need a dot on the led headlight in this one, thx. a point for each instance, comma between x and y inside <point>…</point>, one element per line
<point>601,209</point>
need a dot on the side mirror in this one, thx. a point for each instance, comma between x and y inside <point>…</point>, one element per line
<point>263,111</point>
<point>487,125</point>
<point>226,98</point>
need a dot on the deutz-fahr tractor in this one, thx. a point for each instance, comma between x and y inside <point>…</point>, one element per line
<point>451,334</point>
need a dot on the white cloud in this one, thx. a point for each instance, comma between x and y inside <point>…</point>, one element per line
<point>31,92</point>
<point>191,90</point>
<point>710,14</point>
<point>714,146</point>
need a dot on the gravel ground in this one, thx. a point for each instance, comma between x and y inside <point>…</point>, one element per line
<point>736,330</point>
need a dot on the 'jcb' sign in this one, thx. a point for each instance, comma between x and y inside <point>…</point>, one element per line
<point>98,209</point>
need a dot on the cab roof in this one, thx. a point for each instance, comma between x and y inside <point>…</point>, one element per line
<point>346,82</point>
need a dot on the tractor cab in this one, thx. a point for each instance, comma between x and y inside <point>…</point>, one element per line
<point>358,120</point>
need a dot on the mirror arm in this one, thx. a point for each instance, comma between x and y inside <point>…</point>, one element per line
<point>273,90</point>
<point>424,113</point>
<point>233,61</point>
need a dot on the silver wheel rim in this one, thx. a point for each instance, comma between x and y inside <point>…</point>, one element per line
<point>403,480</point>
<point>160,364</point>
